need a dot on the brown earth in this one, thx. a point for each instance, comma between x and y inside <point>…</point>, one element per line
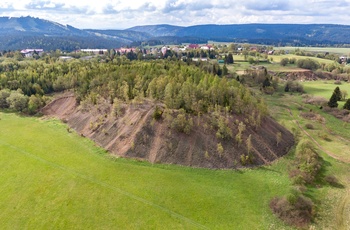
<point>136,134</point>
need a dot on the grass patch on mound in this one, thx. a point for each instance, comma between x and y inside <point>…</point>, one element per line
<point>51,178</point>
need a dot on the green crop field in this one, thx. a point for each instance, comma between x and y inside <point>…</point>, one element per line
<point>53,179</point>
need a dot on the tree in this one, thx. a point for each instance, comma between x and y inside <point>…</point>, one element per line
<point>338,93</point>
<point>34,103</point>
<point>229,59</point>
<point>17,101</point>
<point>347,104</point>
<point>224,70</point>
<point>249,144</point>
<point>266,82</point>
<point>4,94</point>
<point>333,101</point>
<point>278,138</point>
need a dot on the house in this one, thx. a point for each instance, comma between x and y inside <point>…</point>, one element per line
<point>31,52</point>
<point>200,59</point>
<point>193,46</point>
<point>94,51</point>
<point>207,47</point>
<point>125,50</point>
<point>343,59</point>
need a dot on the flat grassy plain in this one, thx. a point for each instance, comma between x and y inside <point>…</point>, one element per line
<point>53,179</point>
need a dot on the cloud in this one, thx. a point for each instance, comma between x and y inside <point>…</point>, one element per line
<point>189,6</point>
<point>268,5</point>
<point>123,14</point>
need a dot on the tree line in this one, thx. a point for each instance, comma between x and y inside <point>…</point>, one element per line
<point>177,84</point>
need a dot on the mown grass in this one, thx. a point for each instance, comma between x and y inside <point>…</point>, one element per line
<point>58,180</point>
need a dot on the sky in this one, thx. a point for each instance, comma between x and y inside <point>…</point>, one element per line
<point>122,14</point>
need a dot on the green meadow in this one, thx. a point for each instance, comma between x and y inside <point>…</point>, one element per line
<point>325,89</point>
<point>53,179</point>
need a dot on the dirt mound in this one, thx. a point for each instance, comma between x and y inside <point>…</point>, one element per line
<point>134,133</point>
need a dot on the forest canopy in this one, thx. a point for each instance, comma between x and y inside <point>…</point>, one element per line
<point>177,84</point>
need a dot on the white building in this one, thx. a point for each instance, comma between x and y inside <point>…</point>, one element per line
<point>31,52</point>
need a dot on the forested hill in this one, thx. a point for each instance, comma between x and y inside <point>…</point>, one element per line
<point>263,33</point>
<point>30,32</point>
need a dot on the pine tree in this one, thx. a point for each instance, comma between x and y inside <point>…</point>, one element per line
<point>266,82</point>
<point>337,93</point>
<point>347,104</point>
<point>333,101</point>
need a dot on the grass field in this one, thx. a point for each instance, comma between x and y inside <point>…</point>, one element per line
<point>340,51</point>
<point>52,179</point>
<point>241,64</point>
<point>333,204</point>
<point>325,89</point>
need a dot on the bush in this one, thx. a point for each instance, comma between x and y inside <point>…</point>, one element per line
<point>284,61</point>
<point>308,64</point>
<point>293,86</point>
<point>309,126</point>
<point>347,104</point>
<point>4,94</point>
<point>308,163</point>
<point>181,123</point>
<point>332,180</point>
<point>157,114</point>
<point>295,209</point>
<point>17,101</point>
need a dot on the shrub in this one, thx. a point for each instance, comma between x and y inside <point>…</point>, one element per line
<point>308,163</point>
<point>293,86</point>
<point>4,94</point>
<point>181,123</point>
<point>220,149</point>
<point>284,61</point>
<point>224,130</point>
<point>347,104</point>
<point>309,126</point>
<point>307,64</point>
<point>332,180</point>
<point>17,101</point>
<point>295,209</point>
<point>157,114</point>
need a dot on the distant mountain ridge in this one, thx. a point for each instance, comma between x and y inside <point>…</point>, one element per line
<point>29,32</point>
<point>312,33</point>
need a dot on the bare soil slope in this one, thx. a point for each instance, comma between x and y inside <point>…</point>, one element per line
<point>136,134</point>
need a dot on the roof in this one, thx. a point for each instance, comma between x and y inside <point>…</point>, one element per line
<point>25,51</point>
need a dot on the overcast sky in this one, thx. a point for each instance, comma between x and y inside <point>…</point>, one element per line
<point>121,14</point>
